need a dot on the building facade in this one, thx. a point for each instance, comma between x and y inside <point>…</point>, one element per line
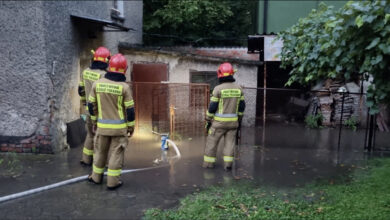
<point>274,16</point>
<point>198,65</point>
<point>45,45</point>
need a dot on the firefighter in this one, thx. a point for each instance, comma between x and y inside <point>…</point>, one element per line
<point>111,102</point>
<point>98,68</point>
<point>223,117</point>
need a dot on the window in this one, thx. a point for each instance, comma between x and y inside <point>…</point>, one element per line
<point>209,77</point>
<point>118,13</point>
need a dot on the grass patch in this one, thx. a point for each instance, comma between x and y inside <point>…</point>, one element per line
<point>365,196</point>
<point>10,165</point>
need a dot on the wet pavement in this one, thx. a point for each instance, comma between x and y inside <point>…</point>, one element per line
<point>287,156</point>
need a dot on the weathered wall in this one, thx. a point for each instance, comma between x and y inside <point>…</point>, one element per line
<point>179,72</point>
<point>22,60</point>
<point>44,53</point>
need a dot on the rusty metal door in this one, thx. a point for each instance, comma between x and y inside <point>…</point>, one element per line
<point>151,96</point>
<point>151,72</point>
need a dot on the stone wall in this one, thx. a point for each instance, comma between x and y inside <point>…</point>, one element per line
<point>44,52</point>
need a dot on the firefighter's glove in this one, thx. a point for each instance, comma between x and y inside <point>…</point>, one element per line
<point>94,128</point>
<point>130,131</point>
<point>239,121</point>
<point>81,91</point>
<point>83,116</point>
<point>208,126</point>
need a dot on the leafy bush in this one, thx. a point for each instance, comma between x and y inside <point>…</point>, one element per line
<point>350,43</point>
<point>314,121</point>
<point>351,123</point>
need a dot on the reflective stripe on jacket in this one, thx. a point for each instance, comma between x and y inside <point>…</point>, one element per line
<point>87,78</point>
<point>224,105</point>
<point>110,101</point>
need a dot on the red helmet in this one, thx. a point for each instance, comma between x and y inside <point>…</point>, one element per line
<point>118,64</point>
<point>225,69</point>
<point>102,54</point>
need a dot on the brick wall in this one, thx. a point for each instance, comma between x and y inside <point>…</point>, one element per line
<point>39,142</point>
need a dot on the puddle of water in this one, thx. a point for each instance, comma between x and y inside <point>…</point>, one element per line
<point>291,156</point>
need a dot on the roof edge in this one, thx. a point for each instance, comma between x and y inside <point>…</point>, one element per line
<point>127,47</point>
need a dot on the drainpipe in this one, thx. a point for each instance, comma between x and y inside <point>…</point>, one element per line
<point>265,16</point>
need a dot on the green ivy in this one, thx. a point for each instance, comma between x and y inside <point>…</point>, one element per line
<point>314,121</point>
<point>350,43</point>
<point>351,123</point>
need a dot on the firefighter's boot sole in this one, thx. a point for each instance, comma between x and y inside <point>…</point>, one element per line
<point>227,169</point>
<point>208,165</point>
<point>85,164</point>
<point>93,181</point>
<point>115,187</point>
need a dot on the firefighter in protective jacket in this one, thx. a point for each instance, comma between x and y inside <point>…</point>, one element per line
<point>223,117</point>
<point>87,78</point>
<point>112,104</point>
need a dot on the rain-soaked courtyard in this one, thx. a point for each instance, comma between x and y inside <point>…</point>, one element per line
<point>288,156</point>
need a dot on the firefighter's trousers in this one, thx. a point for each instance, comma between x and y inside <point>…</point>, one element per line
<point>104,144</point>
<point>213,138</point>
<point>88,143</point>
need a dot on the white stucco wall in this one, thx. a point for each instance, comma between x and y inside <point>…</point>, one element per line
<point>179,68</point>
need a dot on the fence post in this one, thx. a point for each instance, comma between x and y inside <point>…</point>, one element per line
<point>341,121</point>
<point>370,134</point>
<point>172,121</point>
<point>136,106</point>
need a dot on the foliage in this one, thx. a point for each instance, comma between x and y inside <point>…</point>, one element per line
<point>10,164</point>
<point>351,123</point>
<point>314,121</point>
<point>365,196</point>
<point>197,22</point>
<point>351,43</point>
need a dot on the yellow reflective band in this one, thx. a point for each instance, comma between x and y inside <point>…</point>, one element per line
<point>130,124</point>
<point>93,118</point>
<point>240,113</point>
<point>83,98</point>
<point>114,69</point>
<point>114,172</point>
<point>242,98</point>
<point>214,99</point>
<point>228,158</point>
<point>99,104</point>
<point>220,106</point>
<point>109,88</point>
<point>225,119</point>
<point>100,59</point>
<point>226,74</point>
<point>91,99</point>
<point>97,169</point>
<point>230,93</point>
<point>112,126</point>
<point>209,159</point>
<point>86,107</point>
<point>90,75</point>
<point>88,152</point>
<point>129,103</point>
<point>120,109</point>
<point>81,83</point>
<point>209,114</point>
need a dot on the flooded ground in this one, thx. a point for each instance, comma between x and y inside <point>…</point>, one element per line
<point>288,156</point>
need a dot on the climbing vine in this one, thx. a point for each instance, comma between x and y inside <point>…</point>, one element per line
<point>350,43</point>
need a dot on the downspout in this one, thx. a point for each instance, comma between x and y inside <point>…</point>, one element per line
<point>265,14</point>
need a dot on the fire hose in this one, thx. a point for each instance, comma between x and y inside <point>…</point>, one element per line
<point>78,179</point>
